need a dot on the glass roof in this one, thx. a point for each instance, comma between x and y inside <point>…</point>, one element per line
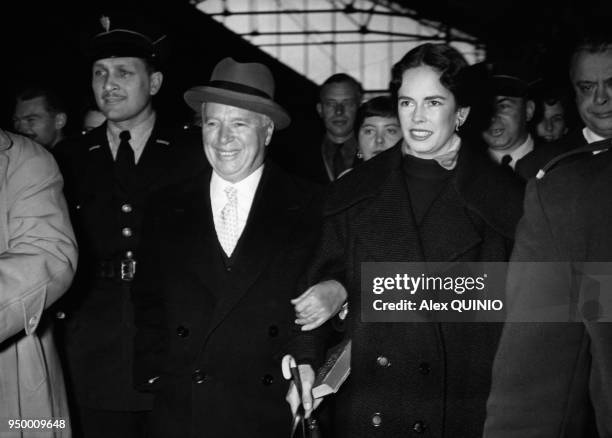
<point>321,37</point>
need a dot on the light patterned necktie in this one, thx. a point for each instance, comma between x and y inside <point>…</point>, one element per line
<point>228,233</point>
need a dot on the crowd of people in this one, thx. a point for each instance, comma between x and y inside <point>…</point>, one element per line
<point>207,271</point>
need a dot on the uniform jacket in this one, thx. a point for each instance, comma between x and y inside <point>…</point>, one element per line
<point>214,336</point>
<point>554,379</point>
<point>98,328</point>
<point>37,263</point>
<point>439,373</point>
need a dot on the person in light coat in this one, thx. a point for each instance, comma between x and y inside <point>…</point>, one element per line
<point>38,257</point>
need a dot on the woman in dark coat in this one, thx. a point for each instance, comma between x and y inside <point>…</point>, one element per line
<point>430,198</point>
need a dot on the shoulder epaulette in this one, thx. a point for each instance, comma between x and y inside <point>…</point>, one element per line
<point>598,146</point>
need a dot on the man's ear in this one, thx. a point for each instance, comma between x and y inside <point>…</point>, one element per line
<point>269,132</point>
<point>60,120</point>
<point>156,82</point>
<point>529,110</point>
<point>320,109</point>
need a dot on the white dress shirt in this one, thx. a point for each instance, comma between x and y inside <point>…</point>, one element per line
<point>139,136</point>
<point>245,192</point>
<point>516,154</point>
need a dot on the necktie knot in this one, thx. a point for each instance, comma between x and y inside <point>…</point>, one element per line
<point>125,136</point>
<point>506,160</point>
<point>231,192</point>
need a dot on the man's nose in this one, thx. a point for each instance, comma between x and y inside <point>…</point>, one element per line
<point>548,126</point>
<point>339,109</point>
<point>226,134</point>
<point>109,83</point>
<point>602,95</point>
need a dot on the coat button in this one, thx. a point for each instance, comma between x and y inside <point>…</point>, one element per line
<point>126,208</point>
<point>60,315</point>
<point>199,376</point>
<point>126,232</point>
<point>376,419</point>
<point>383,361</point>
<point>419,427</point>
<point>267,380</point>
<point>424,368</point>
<point>183,332</point>
<point>273,331</point>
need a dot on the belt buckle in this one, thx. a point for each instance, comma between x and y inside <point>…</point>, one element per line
<point>128,269</point>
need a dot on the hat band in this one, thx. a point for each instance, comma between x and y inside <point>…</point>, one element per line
<point>240,88</point>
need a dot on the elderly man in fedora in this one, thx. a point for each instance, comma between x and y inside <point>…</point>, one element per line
<point>221,255</point>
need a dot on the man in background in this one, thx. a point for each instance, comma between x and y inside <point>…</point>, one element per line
<point>40,115</point>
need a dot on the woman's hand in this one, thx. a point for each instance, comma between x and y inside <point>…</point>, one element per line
<point>318,304</point>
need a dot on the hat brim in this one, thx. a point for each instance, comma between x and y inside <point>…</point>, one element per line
<point>122,44</point>
<point>508,86</point>
<point>194,97</point>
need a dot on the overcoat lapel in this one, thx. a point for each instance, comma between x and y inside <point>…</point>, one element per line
<point>272,217</point>
<point>447,228</point>
<point>386,227</point>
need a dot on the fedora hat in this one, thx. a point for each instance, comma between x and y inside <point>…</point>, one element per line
<point>244,85</point>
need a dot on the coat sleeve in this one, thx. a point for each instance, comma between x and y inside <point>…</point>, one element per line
<point>539,381</point>
<point>327,263</point>
<point>40,252</point>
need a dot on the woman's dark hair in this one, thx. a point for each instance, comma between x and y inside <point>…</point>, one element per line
<point>442,58</point>
<point>381,106</point>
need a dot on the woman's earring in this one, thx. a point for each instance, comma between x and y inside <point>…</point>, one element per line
<point>458,124</point>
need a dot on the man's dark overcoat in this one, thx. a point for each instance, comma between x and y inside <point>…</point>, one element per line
<point>98,326</point>
<point>439,374</point>
<point>214,334</point>
<point>528,166</point>
<point>554,379</point>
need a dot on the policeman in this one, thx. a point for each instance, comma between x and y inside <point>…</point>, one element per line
<point>110,173</point>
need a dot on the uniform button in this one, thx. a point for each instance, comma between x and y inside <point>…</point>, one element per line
<point>267,380</point>
<point>129,254</point>
<point>228,269</point>
<point>419,427</point>
<point>424,368</point>
<point>126,208</point>
<point>60,315</point>
<point>383,361</point>
<point>127,232</point>
<point>273,331</point>
<point>78,207</point>
<point>199,376</point>
<point>183,332</point>
<point>376,419</point>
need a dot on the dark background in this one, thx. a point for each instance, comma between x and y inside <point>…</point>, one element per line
<point>43,40</point>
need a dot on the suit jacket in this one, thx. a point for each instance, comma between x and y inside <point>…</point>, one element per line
<point>553,379</point>
<point>210,336</point>
<point>38,257</point>
<point>439,376</point>
<point>98,328</point>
